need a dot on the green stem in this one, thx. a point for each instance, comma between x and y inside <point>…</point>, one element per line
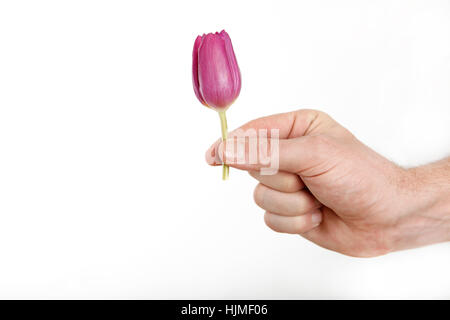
<point>223,125</point>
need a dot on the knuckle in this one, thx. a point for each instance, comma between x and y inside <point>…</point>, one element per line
<point>269,223</point>
<point>267,220</point>
<point>308,113</point>
<point>291,185</point>
<point>312,114</point>
<point>258,194</point>
<point>300,225</point>
<point>307,202</point>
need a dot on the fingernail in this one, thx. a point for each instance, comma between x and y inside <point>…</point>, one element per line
<point>227,153</point>
<point>316,218</point>
<point>211,155</point>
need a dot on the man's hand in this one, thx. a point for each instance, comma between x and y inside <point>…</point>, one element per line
<point>340,194</point>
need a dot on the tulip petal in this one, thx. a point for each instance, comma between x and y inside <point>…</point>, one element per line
<point>195,81</point>
<point>234,67</point>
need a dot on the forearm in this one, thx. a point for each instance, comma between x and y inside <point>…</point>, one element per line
<point>427,219</point>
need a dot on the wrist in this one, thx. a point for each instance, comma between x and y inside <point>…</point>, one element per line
<point>424,193</point>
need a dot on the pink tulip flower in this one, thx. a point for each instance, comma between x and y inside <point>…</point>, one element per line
<point>215,72</point>
<point>216,76</point>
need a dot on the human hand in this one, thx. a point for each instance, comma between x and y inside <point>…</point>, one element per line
<point>340,194</point>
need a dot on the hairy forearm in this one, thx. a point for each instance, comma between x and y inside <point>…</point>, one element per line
<point>427,218</point>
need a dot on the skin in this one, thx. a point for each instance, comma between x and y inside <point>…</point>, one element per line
<point>338,193</point>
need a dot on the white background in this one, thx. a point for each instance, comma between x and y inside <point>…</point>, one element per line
<point>104,192</point>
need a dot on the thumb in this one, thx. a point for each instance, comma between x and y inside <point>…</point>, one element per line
<point>302,141</point>
<point>270,155</point>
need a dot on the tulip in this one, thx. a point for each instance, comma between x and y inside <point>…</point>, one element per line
<point>216,76</point>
